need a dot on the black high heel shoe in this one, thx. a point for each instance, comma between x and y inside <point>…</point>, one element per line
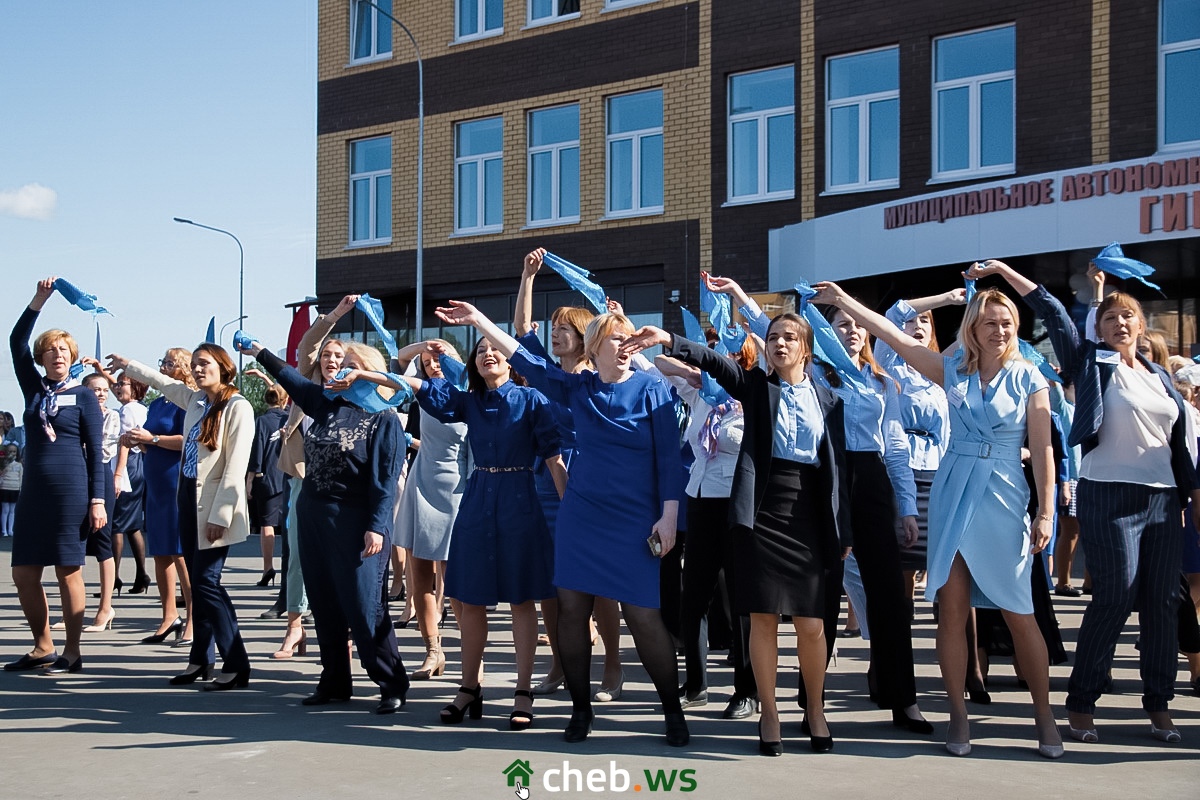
<point>117,584</point>
<point>195,672</point>
<point>579,727</point>
<point>140,584</point>
<point>267,579</point>
<point>520,720</point>
<point>768,748</point>
<point>233,680</point>
<point>910,724</point>
<point>980,696</point>
<point>175,627</point>
<point>677,730</point>
<point>453,715</point>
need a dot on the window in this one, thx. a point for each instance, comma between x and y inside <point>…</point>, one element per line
<point>554,165</point>
<point>370,31</point>
<point>543,11</point>
<point>371,191</point>
<point>973,104</point>
<point>478,187</point>
<point>635,153</point>
<point>476,19</point>
<point>762,138</point>
<point>1179,74</point>
<point>862,121</point>
<point>613,5</point>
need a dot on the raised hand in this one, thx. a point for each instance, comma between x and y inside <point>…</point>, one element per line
<point>343,383</point>
<point>45,288</point>
<point>720,285</point>
<point>958,297</point>
<point>458,313</point>
<point>117,362</point>
<point>346,305</point>
<point>533,262</point>
<point>644,338</point>
<point>828,294</point>
<point>613,306</point>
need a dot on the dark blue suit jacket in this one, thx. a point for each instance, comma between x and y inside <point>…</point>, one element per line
<point>1079,365</point>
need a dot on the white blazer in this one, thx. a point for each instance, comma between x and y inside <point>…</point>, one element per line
<point>221,473</point>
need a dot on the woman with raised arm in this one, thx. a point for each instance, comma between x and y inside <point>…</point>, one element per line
<point>1135,476</point>
<point>567,327</point>
<point>428,507</point>
<point>62,495</point>
<point>981,545</point>
<point>787,507</point>
<point>353,457</point>
<point>625,426</point>
<point>219,425</point>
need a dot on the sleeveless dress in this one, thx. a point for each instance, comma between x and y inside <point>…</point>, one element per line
<point>160,468</point>
<point>977,506</point>
<point>431,496</point>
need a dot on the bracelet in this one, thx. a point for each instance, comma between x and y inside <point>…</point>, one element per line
<point>1047,517</point>
<point>97,502</point>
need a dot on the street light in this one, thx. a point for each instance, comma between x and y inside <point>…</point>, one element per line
<point>241,280</point>
<point>221,338</point>
<point>420,165</point>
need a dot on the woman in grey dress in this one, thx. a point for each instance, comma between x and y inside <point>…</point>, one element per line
<point>427,508</point>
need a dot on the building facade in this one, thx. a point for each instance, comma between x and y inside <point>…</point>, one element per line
<point>881,144</point>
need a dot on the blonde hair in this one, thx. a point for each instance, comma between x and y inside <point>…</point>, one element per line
<point>1159,353</point>
<point>182,358</point>
<point>47,339</point>
<point>314,374</point>
<point>972,350</point>
<point>371,360</point>
<point>600,328</point>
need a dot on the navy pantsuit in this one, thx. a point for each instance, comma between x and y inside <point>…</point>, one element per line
<point>214,620</point>
<point>1131,533</point>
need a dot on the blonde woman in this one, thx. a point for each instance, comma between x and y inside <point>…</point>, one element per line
<point>62,498</point>
<point>981,544</point>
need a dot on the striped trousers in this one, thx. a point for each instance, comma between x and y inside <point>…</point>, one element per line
<point>1134,554</point>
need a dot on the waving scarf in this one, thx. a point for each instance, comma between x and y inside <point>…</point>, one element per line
<point>77,297</point>
<point>578,279</point>
<point>826,344</point>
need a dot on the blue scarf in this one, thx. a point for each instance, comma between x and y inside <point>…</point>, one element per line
<point>1112,260</point>
<point>719,308</point>
<point>364,394</point>
<point>372,309</point>
<point>826,345</point>
<point>710,391</point>
<point>578,279</point>
<point>77,297</point>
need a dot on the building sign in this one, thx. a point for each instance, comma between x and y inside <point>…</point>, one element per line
<point>1171,209</point>
<point>1084,208</point>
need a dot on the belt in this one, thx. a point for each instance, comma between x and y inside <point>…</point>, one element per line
<point>984,449</point>
<point>919,432</point>
<point>504,469</point>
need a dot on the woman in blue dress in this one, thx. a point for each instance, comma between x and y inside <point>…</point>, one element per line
<point>161,440</point>
<point>626,487</point>
<point>981,545</point>
<point>62,496</point>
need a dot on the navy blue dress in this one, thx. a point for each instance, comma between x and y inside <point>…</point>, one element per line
<point>500,550</point>
<point>61,476</point>
<point>547,492</point>
<point>160,468</point>
<point>627,465</point>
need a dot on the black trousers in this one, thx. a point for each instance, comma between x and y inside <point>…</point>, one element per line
<point>873,520</point>
<point>710,549</point>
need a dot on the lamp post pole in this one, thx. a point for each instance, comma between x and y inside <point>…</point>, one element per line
<point>241,279</point>
<point>221,338</point>
<point>420,166</point>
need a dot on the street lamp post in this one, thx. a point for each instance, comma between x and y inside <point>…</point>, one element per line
<point>241,280</point>
<point>420,165</point>
<point>221,338</point>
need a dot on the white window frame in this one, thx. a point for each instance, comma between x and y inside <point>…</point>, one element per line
<point>550,19</point>
<point>762,117</point>
<point>480,162</point>
<point>375,20</point>
<point>637,210</point>
<point>617,5</point>
<point>555,150</point>
<point>974,83</point>
<point>1163,51</point>
<point>480,17</point>
<point>863,102</point>
<point>373,198</point>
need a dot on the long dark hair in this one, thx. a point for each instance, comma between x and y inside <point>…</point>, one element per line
<point>475,381</point>
<point>210,425</point>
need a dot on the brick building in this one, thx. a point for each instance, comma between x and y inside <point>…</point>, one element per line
<point>766,140</point>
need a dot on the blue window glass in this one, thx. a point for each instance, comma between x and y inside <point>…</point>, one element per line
<point>996,123</point>
<point>954,131</point>
<point>652,171</point>
<point>979,53</point>
<point>843,145</point>
<point>867,73</point>
<point>1180,21</point>
<point>759,91</point>
<point>554,125</point>
<point>781,153</point>
<point>885,140</point>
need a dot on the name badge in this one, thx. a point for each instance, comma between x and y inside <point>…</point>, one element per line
<point>65,400</point>
<point>956,396</point>
<point>1108,357</point>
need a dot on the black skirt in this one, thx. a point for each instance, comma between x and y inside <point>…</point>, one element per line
<point>130,512</point>
<point>781,564</point>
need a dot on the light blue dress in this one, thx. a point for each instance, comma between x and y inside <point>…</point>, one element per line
<point>978,502</point>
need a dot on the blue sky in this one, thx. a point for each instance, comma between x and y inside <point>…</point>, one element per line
<point>116,117</point>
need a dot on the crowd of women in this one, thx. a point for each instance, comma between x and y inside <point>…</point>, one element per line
<point>819,464</point>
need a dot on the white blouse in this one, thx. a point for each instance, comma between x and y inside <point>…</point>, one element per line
<point>1135,436</point>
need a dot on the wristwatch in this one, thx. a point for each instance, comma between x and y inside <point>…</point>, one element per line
<point>154,439</point>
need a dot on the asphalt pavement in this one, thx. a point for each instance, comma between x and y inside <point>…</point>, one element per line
<point>118,730</point>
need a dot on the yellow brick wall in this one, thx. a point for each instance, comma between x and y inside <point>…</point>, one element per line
<point>1101,90</point>
<point>687,169</point>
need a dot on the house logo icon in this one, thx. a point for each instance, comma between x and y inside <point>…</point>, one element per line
<point>518,772</point>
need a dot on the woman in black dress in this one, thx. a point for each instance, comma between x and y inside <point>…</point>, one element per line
<point>62,498</point>
<point>787,506</point>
